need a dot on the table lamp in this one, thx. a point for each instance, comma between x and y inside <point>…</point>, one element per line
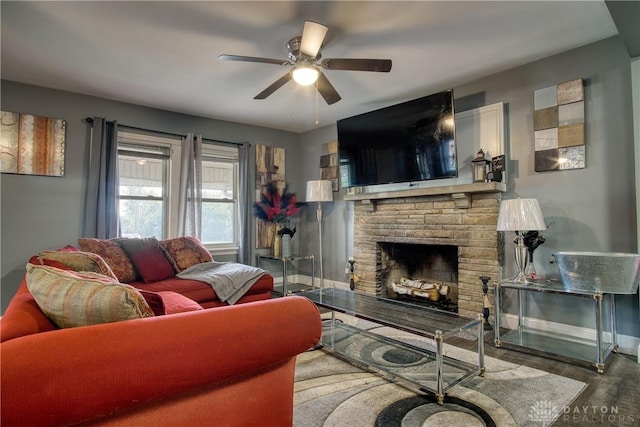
<point>320,191</point>
<point>520,215</point>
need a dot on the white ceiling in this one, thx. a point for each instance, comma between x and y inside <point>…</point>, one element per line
<point>165,54</point>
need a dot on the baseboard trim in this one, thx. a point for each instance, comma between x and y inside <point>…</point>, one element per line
<point>306,280</point>
<point>627,344</point>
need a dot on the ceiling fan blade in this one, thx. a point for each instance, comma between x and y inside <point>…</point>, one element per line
<point>274,86</point>
<point>225,57</point>
<point>378,65</point>
<point>327,90</point>
<point>312,38</point>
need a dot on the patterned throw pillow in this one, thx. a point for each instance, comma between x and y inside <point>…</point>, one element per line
<point>114,255</point>
<point>184,252</point>
<point>73,299</point>
<point>78,261</point>
<point>149,260</point>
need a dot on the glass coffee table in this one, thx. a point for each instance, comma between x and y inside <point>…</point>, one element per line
<point>436,374</point>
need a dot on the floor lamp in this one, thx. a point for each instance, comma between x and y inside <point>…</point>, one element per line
<point>320,191</point>
<point>520,215</point>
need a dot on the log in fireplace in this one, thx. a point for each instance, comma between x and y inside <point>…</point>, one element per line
<point>418,273</point>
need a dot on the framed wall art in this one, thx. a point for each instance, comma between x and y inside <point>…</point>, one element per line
<point>558,124</point>
<point>31,145</point>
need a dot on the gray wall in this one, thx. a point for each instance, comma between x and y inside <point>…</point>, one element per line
<point>40,212</point>
<point>338,216</point>
<point>592,209</point>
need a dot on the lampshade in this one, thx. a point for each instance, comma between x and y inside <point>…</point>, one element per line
<point>520,215</point>
<point>319,191</point>
<point>305,75</point>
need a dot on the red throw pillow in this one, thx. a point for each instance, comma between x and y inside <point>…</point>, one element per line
<point>168,302</point>
<point>147,257</point>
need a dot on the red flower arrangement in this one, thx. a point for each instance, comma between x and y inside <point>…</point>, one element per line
<point>275,206</point>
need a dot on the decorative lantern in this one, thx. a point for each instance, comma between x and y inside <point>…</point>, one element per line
<point>480,165</point>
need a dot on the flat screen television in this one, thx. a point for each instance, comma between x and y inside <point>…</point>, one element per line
<point>408,142</point>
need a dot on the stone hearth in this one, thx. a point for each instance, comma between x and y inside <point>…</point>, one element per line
<point>438,219</point>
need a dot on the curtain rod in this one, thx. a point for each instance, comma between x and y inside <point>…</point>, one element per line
<point>90,120</point>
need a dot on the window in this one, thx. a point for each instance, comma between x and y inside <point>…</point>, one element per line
<point>143,196</point>
<point>149,172</point>
<point>219,195</point>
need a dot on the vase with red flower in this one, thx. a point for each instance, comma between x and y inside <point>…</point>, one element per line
<point>277,206</point>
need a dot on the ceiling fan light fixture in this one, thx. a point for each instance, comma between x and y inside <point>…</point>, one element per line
<point>305,75</point>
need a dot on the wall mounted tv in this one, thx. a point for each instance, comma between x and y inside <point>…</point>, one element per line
<point>408,142</point>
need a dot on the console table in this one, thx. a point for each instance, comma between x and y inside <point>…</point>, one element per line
<point>560,346</point>
<point>426,322</point>
<point>284,262</point>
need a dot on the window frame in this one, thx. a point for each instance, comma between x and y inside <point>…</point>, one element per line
<point>171,181</point>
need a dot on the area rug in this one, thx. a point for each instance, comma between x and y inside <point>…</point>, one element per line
<point>332,392</point>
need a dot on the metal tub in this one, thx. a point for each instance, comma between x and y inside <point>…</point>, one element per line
<point>615,273</point>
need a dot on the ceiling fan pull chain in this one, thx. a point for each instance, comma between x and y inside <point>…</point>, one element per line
<point>317,115</point>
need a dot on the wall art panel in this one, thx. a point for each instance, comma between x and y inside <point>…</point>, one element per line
<point>270,167</point>
<point>558,123</point>
<point>31,145</point>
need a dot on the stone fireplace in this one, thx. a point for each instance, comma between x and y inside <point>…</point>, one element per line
<point>444,234</point>
<point>434,265</point>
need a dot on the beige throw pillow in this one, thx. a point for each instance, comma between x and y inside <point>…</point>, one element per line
<point>73,299</point>
<point>79,261</point>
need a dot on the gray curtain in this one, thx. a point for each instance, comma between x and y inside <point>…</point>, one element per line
<point>244,205</point>
<point>101,201</point>
<point>190,202</point>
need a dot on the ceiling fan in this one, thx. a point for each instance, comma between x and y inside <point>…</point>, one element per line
<point>304,51</point>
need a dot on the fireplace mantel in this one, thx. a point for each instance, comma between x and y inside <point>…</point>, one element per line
<point>461,193</point>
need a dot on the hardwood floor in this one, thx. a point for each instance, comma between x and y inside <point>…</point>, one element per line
<point>610,399</point>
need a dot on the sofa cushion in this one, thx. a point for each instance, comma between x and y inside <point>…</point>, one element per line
<point>73,299</point>
<point>168,302</point>
<point>76,260</point>
<point>184,252</point>
<point>114,255</point>
<point>147,257</point>
<point>193,289</point>
<point>202,293</point>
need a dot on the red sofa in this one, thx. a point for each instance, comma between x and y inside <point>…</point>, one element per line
<point>228,366</point>
<point>151,265</point>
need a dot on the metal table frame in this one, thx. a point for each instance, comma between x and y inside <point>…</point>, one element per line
<point>526,337</point>
<point>410,318</point>
<point>285,260</point>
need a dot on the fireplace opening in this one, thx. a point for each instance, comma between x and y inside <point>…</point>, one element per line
<point>419,273</point>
